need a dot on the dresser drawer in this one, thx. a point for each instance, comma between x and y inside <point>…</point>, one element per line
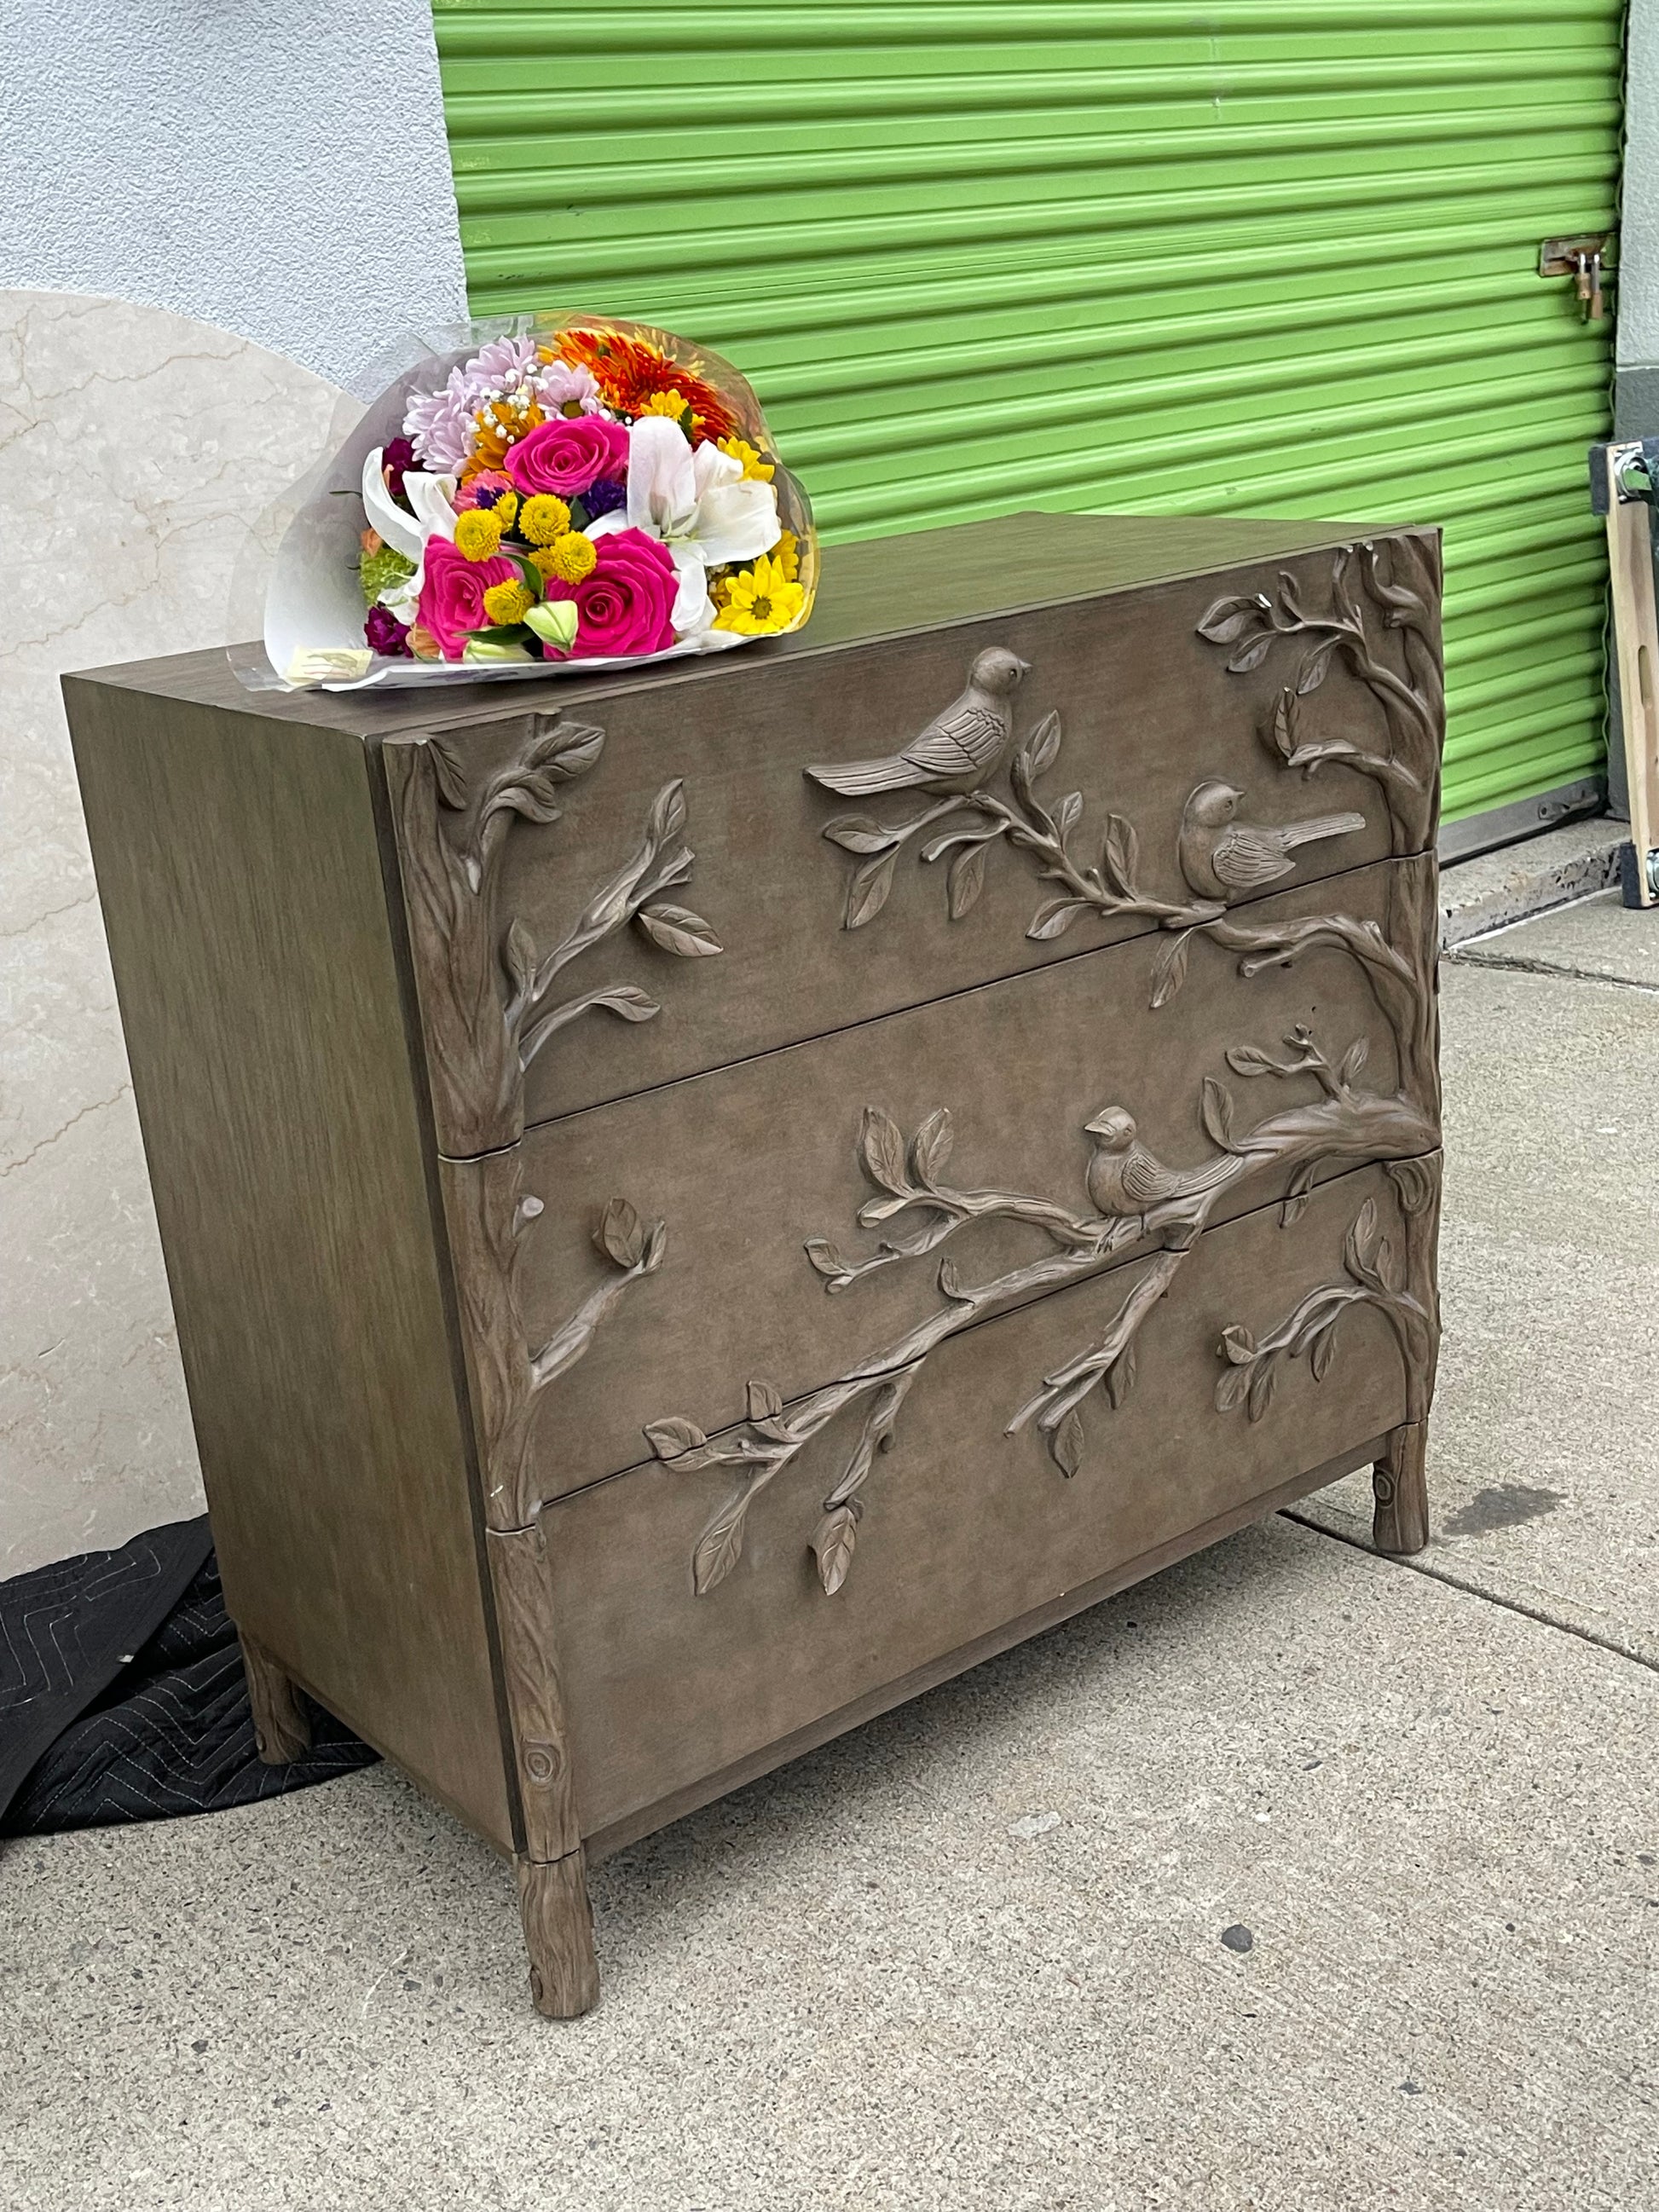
<point>806,1198</point>
<point>660,880</point>
<point>964,1526</point>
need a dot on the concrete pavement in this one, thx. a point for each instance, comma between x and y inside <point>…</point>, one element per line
<point>973,1956</point>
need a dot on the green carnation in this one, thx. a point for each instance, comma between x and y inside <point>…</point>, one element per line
<point>379,571</point>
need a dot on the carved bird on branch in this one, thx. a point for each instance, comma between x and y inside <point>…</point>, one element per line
<point>958,750</point>
<point>1221,856</point>
<point>1126,1178</point>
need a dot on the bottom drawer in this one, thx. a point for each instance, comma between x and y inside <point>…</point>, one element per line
<point>1261,1354</point>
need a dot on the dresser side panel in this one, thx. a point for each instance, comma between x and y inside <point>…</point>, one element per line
<point>241,879</point>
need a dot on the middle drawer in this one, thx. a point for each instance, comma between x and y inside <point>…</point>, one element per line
<point>693,1251</point>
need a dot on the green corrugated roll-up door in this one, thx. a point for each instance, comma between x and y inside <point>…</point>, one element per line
<point>1262,256</point>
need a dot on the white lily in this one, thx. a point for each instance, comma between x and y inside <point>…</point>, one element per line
<point>433,517</point>
<point>701,506</point>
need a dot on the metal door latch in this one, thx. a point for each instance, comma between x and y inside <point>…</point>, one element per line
<point>1587,259</point>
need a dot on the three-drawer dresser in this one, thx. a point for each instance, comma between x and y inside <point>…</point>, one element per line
<point>701,1203</point>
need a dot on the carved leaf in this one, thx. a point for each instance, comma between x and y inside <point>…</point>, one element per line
<point>1285,716</point>
<point>950,1285</point>
<point>867,894</point>
<point>670,1439</point>
<point>568,750</point>
<point>677,930</point>
<point>858,833</point>
<point>451,776</point>
<point>1316,667</point>
<point>882,1150</point>
<point>622,1234</point>
<point>532,794</point>
<point>1217,1113</point>
<point>825,1258</point>
<point>668,812</point>
<point>1319,1352</point>
<point>833,1541</point>
<point>656,1242</point>
<point>1263,1383</point>
<point>874,1211</point>
<point>1223,621</point>
<point>519,953</point>
<point>626,999</point>
<point>1171,972</point>
<point>1251,655</point>
<point>1068,814</point>
<point>764,1403</point>
<point>1300,1191</point>
<point>1066,1443</point>
<point>1238,1346</point>
<point>1120,1375</point>
<point>1121,855</point>
<point>930,1147</point>
<point>1360,1251</point>
<point>1353,1061</point>
<point>1230,1390</point>
<point>1054,919</point>
<point>965,881</point>
<point>1043,746</point>
<point>720,1546</point>
<point>1245,1059</point>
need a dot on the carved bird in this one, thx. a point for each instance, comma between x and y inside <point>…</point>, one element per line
<point>1126,1178</point>
<point>1221,856</point>
<point>958,750</point>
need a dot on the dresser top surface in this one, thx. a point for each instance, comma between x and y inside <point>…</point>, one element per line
<point>875,588</point>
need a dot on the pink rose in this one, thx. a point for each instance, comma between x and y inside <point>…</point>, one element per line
<point>452,593</point>
<point>567,455</point>
<point>625,605</point>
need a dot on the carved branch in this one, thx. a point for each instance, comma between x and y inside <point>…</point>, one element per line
<point>1108,889</point>
<point>1371,1277</point>
<point>484,989</point>
<point>1343,1124</point>
<point>1413,705</point>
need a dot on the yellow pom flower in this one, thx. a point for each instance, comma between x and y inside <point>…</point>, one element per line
<point>756,470</point>
<point>478,534</point>
<point>785,555</point>
<point>506,507</point>
<point>509,603</point>
<point>761,601</point>
<point>571,557</point>
<point>674,404</point>
<point>544,519</point>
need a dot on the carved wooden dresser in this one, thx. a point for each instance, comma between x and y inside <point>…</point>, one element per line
<point>700,1203</point>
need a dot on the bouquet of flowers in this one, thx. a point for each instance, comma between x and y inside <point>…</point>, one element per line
<point>579,493</point>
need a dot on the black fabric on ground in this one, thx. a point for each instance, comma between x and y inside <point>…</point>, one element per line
<point>122,1694</point>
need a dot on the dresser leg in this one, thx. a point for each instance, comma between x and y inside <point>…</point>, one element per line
<point>1400,1486</point>
<point>280,1727</point>
<point>558,1934</point>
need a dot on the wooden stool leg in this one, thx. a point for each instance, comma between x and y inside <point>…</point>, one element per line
<point>279,1726</point>
<point>558,1934</point>
<point>1400,1486</point>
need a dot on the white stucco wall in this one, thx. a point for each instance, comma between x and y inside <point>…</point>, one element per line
<point>1638,225</point>
<point>277,167</point>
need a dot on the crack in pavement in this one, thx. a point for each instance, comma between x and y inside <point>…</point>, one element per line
<point>1518,963</point>
<point>1418,1566</point>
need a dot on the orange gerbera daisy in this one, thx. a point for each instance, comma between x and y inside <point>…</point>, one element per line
<point>631,372</point>
<point>502,424</point>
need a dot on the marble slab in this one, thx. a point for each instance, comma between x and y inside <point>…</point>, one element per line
<point>146,460</point>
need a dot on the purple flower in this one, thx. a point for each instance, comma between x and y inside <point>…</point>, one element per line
<point>397,455</point>
<point>603,497</point>
<point>387,636</point>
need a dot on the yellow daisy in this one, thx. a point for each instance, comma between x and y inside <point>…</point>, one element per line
<point>761,601</point>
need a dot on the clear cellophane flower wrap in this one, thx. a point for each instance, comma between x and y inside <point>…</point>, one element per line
<point>555,493</point>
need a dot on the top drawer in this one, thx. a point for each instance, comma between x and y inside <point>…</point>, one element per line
<point>673,876</point>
